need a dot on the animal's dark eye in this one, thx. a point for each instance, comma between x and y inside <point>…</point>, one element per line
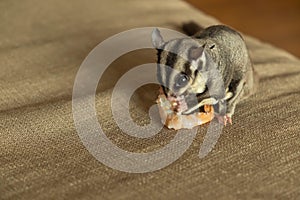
<point>181,80</point>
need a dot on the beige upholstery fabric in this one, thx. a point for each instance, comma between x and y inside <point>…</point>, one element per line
<point>41,156</point>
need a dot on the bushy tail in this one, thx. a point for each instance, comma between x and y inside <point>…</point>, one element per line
<point>191,28</point>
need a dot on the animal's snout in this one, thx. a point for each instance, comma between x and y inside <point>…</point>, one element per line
<point>172,96</point>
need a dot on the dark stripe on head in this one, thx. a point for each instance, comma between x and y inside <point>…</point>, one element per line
<point>158,70</point>
<point>196,72</point>
<point>172,58</point>
<point>187,68</point>
<point>165,90</point>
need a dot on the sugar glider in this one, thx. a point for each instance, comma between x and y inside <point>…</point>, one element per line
<point>213,65</point>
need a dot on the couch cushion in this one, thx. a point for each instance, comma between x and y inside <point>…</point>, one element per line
<point>42,46</point>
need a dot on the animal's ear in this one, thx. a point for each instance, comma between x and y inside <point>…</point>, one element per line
<point>157,39</point>
<point>196,53</point>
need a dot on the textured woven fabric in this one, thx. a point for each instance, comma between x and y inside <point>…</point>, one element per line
<point>41,156</point>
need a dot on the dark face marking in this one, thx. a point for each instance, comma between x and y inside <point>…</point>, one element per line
<point>171,60</point>
<point>158,71</point>
<point>187,68</point>
<point>181,80</point>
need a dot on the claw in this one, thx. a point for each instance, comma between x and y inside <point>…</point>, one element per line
<point>224,119</point>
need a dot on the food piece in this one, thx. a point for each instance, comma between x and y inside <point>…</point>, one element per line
<point>169,110</point>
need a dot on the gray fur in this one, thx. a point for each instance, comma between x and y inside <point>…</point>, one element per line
<point>224,50</point>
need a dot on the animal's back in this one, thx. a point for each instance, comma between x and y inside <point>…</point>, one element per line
<point>228,50</point>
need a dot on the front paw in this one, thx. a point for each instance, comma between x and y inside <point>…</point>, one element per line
<point>224,119</point>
